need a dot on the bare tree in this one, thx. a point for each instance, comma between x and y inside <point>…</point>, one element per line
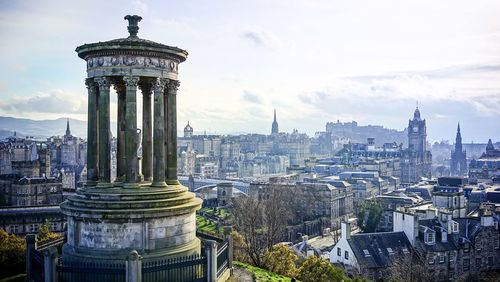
<point>409,267</point>
<point>262,223</point>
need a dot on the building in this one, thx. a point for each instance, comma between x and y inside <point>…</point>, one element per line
<point>448,194</point>
<point>486,167</point>
<point>416,160</point>
<point>369,254</point>
<point>452,248</point>
<point>30,191</point>
<point>458,160</point>
<point>316,206</point>
<point>25,220</point>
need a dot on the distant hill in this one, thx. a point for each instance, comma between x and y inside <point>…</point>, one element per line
<point>41,128</point>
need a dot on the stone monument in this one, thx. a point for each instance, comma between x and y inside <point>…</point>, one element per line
<point>146,208</point>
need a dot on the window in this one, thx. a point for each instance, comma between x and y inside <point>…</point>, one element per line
<point>405,250</point>
<point>429,237</point>
<point>478,245</point>
<point>441,258</point>
<point>53,227</point>
<point>389,250</point>
<point>497,243</point>
<point>466,264</point>
<point>366,252</point>
<point>478,262</point>
<point>466,248</point>
<point>14,229</point>
<point>346,255</point>
<point>490,261</point>
<point>33,228</point>
<point>339,252</point>
<point>455,227</point>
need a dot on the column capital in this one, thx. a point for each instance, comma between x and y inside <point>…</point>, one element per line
<point>90,83</point>
<point>159,84</point>
<point>131,81</point>
<point>119,87</point>
<point>103,82</point>
<point>172,86</point>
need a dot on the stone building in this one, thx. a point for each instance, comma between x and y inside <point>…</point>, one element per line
<point>486,167</point>
<point>369,254</point>
<point>458,160</point>
<point>316,206</point>
<point>416,160</point>
<point>453,248</point>
<point>30,191</point>
<point>26,220</point>
<point>448,193</point>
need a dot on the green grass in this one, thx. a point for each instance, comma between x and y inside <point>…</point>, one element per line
<point>206,225</point>
<point>262,275</point>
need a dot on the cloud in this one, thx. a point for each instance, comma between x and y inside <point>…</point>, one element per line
<point>54,101</point>
<point>252,98</point>
<point>262,38</point>
<point>140,6</point>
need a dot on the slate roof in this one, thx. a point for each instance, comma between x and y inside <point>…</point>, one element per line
<point>376,245</point>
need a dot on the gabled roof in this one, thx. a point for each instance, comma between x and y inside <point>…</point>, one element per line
<point>375,250</point>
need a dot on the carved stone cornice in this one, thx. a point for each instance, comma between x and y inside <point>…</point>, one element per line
<point>132,61</point>
<point>172,86</point>
<point>104,83</point>
<point>131,81</point>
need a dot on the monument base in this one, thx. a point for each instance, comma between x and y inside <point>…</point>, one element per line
<point>106,224</point>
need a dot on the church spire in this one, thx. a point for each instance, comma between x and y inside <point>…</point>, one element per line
<point>275,129</point>
<point>68,131</point>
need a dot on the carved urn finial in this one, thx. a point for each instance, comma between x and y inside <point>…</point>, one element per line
<point>133,27</point>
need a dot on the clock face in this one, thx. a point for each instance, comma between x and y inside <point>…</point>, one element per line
<point>415,129</point>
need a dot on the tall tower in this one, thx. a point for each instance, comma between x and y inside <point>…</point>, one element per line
<point>68,131</point>
<point>153,215</point>
<point>188,131</point>
<point>275,128</point>
<point>458,160</point>
<point>417,135</point>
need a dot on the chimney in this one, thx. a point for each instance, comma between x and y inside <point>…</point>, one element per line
<point>444,236</point>
<point>346,230</point>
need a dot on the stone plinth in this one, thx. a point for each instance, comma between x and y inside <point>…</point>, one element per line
<point>106,224</point>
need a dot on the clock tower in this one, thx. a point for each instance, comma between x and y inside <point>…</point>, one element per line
<point>417,135</point>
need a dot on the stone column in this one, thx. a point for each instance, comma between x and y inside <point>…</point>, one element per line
<point>228,236</point>
<point>211,253</point>
<point>49,264</point>
<point>147,142</point>
<point>104,84</point>
<point>92,133</point>
<point>159,134</point>
<point>133,269</point>
<point>131,136</point>
<point>172,132</point>
<point>30,248</point>
<point>120,132</point>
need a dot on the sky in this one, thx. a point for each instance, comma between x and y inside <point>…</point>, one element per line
<point>312,61</point>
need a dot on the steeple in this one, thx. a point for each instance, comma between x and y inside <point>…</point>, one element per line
<point>275,129</point>
<point>458,140</point>
<point>68,131</point>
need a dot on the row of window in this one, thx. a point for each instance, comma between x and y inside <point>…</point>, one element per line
<point>339,253</point>
<point>30,228</point>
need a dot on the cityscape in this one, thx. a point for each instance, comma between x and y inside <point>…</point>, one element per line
<point>145,165</point>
